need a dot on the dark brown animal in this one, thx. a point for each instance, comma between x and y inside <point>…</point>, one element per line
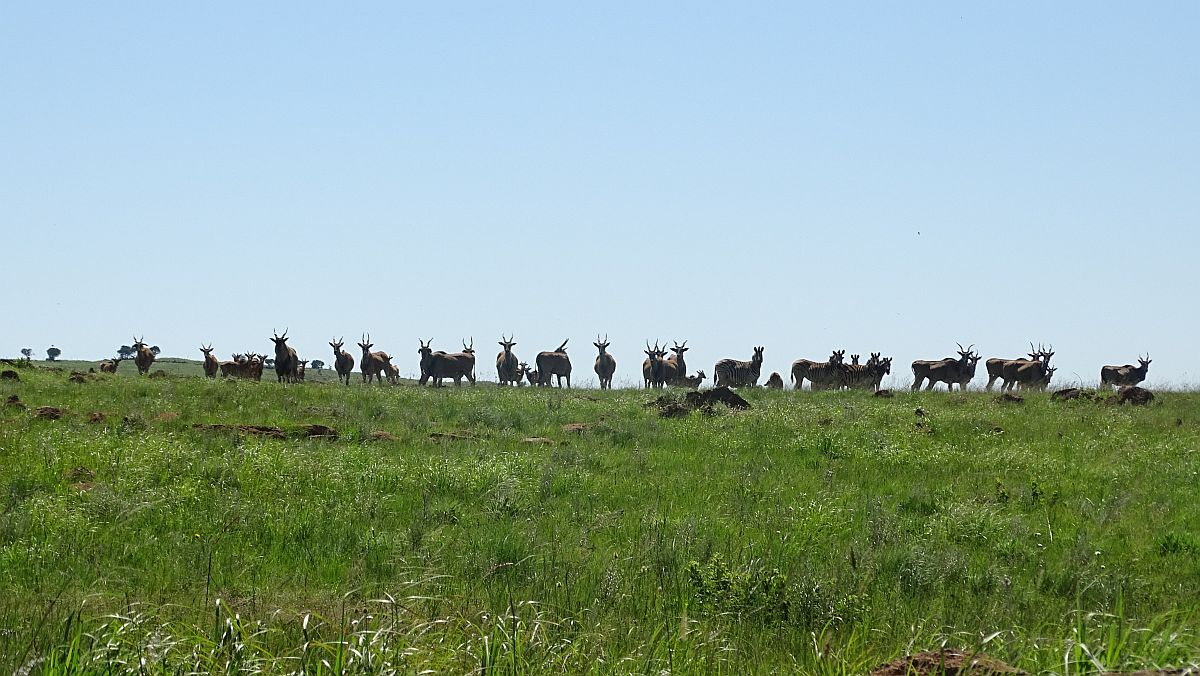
<point>674,367</point>
<point>691,382</point>
<point>998,368</point>
<point>110,365</point>
<point>1118,376</point>
<point>457,365</point>
<point>554,364</point>
<point>950,371</point>
<point>374,364</point>
<point>508,367</point>
<point>426,352</point>
<point>144,357</point>
<point>343,362</point>
<point>211,365</point>
<point>734,373</point>
<point>530,374</point>
<point>652,365</point>
<point>606,364</point>
<point>775,381</point>
<point>287,362</point>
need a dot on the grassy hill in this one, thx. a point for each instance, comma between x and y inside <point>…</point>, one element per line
<point>471,528</point>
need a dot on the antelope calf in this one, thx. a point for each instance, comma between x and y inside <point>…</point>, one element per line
<point>530,374</point>
<point>343,362</point>
<point>606,364</point>
<point>110,365</point>
<point>211,365</point>
<point>691,382</point>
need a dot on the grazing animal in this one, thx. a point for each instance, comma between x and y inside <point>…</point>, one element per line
<point>374,364</point>
<point>530,374</point>
<point>211,365</point>
<point>691,382</point>
<point>652,365</point>
<point>458,365</point>
<point>675,367</point>
<point>1117,376</point>
<point>144,357</point>
<point>343,362</point>
<point>606,364</point>
<point>287,363</point>
<point>734,373</point>
<point>556,363</point>
<point>508,367</point>
<point>392,372</point>
<point>775,381</point>
<point>110,365</point>
<point>950,370</point>
<point>829,374</point>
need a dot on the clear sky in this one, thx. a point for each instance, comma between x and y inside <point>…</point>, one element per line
<point>873,176</point>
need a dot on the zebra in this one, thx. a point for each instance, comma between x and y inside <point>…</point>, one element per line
<point>734,373</point>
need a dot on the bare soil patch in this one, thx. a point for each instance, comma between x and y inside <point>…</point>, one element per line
<point>48,413</point>
<point>944,663</point>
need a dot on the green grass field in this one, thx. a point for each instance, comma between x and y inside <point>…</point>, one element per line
<point>467,529</point>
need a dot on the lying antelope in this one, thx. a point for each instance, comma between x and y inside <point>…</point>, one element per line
<point>343,362</point>
<point>691,382</point>
<point>1118,376</point>
<point>606,364</point>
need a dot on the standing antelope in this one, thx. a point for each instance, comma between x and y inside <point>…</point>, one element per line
<point>458,365</point>
<point>427,356</point>
<point>530,374</point>
<point>1116,376</point>
<point>949,370</point>
<point>374,364</point>
<point>508,367</point>
<point>1026,373</point>
<point>652,365</point>
<point>675,367</point>
<point>996,367</point>
<point>343,362</point>
<point>287,363</point>
<point>556,363</point>
<point>144,357</point>
<point>734,373</point>
<point>210,362</point>
<point>606,364</point>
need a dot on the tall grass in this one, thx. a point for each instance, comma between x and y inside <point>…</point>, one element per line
<point>816,532</point>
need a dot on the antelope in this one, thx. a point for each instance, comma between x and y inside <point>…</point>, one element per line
<point>530,374</point>
<point>950,370</point>
<point>343,362</point>
<point>605,364</point>
<point>144,358</point>
<point>287,363</point>
<point>110,365</point>
<point>373,363</point>
<point>457,366</point>
<point>820,375</point>
<point>556,363</point>
<point>427,353</point>
<point>393,373</point>
<point>1117,376</point>
<point>508,367</point>
<point>211,365</point>
<point>652,365</point>
<point>775,382</point>
<point>1026,373</point>
<point>995,367</point>
<point>300,367</point>
<point>233,368</point>
<point>675,367</point>
<point>252,367</point>
<point>691,382</point>
<point>734,373</point>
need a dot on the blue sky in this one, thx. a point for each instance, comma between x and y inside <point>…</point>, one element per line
<point>799,176</point>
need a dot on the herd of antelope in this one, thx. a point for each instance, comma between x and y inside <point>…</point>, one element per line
<point>658,369</point>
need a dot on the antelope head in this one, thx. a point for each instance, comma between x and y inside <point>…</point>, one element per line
<point>366,344</point>
<point>601,345</point>
<point>467,349</point>
<point>680,349</point>
<point>507,344</point>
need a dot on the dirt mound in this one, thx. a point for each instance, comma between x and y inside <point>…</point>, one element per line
<point>578,428</point>
<point>159,374</point>
<point>80,473</point>
<point>944,663</point>
<point>48,412</point>
<point>10,375</point>
<point>538,440</point>
<point>452,436</point>
<point>258,430</point>
<point>1138,396</point>
<point>321,432</point>
<point>717,395</point>
<point>1066,394</point>
<point>14,401</point>
<point>1008,398</point>
<point>96,417</point>
<point>883,393</point>
<point>78,378</point>
<point>168,416</point>
<point>380,435</point>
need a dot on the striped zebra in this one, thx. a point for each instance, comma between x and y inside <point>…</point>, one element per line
<point>824,375</point>
<point>869,375</point>
<point>734,373</point>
